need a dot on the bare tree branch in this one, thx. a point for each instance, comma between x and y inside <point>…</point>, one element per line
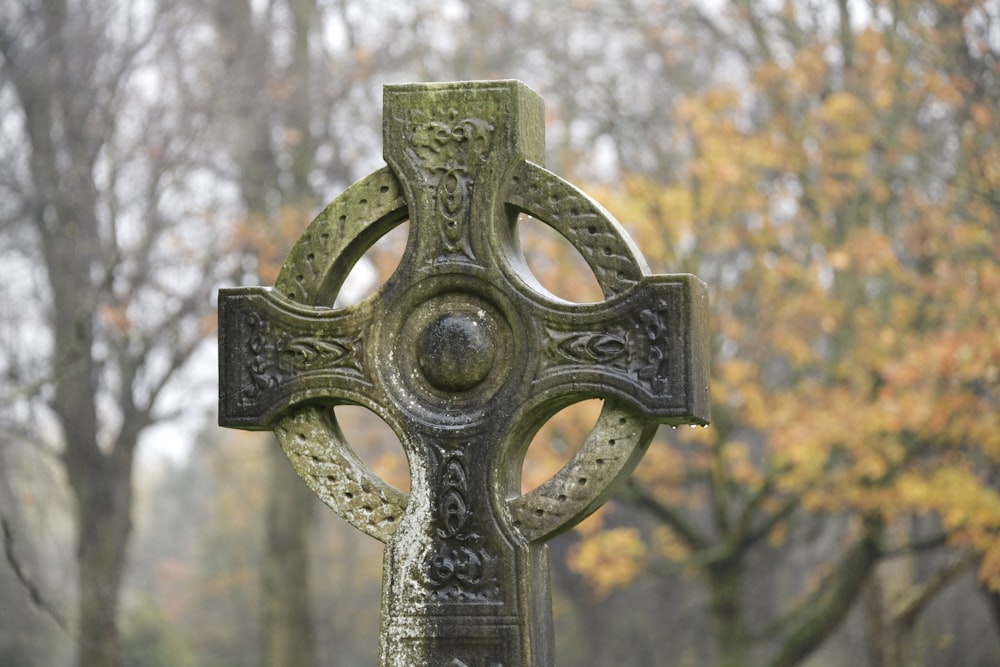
<point>30,587</point>
<point>908,609</point>
<point>637,494</point>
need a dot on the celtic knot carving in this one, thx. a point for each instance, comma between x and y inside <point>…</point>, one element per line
<point>258,361</point>
<point>586,226</point>
<point>456,143</point>
<point>449,155</point>
<point>639,348</point>
<point>275,357</point>
<point>654,326</point>
<point>458,564</point>
<point>307,353</point>
<point>602,348</point>
<point>460,354</point>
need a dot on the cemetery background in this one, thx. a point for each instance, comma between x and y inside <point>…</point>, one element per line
<point>830,169</point>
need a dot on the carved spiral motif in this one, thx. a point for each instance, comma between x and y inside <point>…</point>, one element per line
<point>449,155</point>
<point>459,566</point>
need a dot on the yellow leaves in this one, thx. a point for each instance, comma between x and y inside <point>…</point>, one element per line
<point>551,258</point>
<point>945,89</point>
<point>271,240</point>
<point>662,465</point>
<point>915,491</point>
<point>739,385</point>
<point>701,113</point>
<point>393,469</point>
<point>726,161</point>
<point>737,373</point>
<point>594,523</point>
<point>854,307</point>
<point>840,260</point>
<point>739,465</point>
<point>835,446</point>
<point>609,559</point>
<point>884,99</point>
<point>659,218</point>
<point>982,116</point>
<point>870,252</point>
<point>969,508</point>
<point>755,406</point>
<point>843,129</point>
<point>776,538</point>
<point>843,108</point>
<point>803,77</point>
<point>871,465</point>
<point>667,545</point>
<point>803,454</point>
<point>557,441</point>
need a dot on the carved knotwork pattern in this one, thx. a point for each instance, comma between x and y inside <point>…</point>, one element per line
<point>580,220</point>
<point>462,167</point>
<point>602,348</point>
<point>459,566</point>
<point>654,344</point>
<point>449,155</point>
<point>639,349</point>
<point>274,357</point>
<point>440,146</point>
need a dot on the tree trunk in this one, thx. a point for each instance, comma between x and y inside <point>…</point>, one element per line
<point>287,632</point>
<point>993,600</point>
<point>101,482</point>
<point>725,581</point>
<point>818,617</point>
<point>287,636</point>
<point>103,492</point>
<point>881,638</point>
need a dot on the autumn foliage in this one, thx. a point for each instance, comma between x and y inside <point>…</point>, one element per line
<point>842,203</point>
<point>830,168</point>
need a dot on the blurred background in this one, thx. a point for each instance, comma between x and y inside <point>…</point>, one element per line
<point>830,168</point>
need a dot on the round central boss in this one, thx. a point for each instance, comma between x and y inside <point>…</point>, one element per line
<point>455,352</point>
<point>447,351</point>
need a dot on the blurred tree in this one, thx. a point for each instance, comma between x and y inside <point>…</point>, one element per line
<point>194,587</point>
<point>269,101</point>
<point>829,168</point>
<point>841,200</point>
<point>279,78</point>
<point>34,516</point>
<point>102,153</point>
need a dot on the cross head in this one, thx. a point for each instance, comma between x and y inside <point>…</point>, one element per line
<point>464,356</point>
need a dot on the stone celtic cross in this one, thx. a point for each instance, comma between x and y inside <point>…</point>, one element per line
<point>465,357</point>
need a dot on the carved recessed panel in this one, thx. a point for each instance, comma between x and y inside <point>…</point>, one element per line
<point>461,564</point>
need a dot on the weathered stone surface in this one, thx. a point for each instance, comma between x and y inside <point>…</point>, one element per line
<point>465,359</point>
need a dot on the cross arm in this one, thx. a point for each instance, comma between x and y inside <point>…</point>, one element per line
<point>647,347</point>
<point>275,353</point>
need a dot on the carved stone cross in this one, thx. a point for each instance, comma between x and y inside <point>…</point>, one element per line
<point>465,357</point>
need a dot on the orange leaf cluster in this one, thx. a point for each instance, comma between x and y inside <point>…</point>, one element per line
<point>851,250</point>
